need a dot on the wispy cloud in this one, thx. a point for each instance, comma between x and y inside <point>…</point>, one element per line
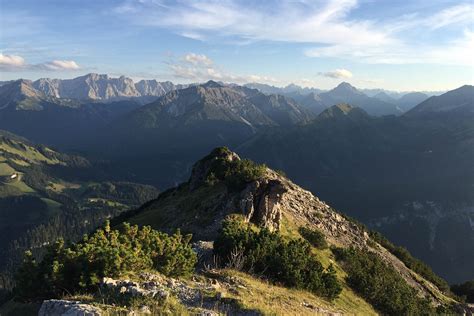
<point>60,65</point>
<point>337,74</point>
<point>288,21</point>
<point>12,61</point>
<point>453,15</point>
<point>455,52</point>
<point>199,68</point>
<point>197,59</point>
<point>330,27</point>
<point>18,63</point>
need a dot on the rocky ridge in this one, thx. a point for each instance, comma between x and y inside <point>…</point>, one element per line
<point>68,308</point>
<point>272,201</point>
<point>101,87</point>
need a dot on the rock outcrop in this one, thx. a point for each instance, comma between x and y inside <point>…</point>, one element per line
<point>260,203</point>
<point>202,296</point>
<point>67,308</point>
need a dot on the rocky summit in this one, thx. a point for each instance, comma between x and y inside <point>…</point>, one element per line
<point>271,201</point>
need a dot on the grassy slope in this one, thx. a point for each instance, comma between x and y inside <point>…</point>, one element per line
<point>188,210</point>
<point>23,154</point>
<point>28,205</point>
<point>276,300</point>
<point>26,152</point>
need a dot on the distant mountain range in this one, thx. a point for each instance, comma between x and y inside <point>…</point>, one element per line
<point>346,93</point>
<point>379,102</point>
<point>101,87</point>
<point>29,112</point>
<point>293,91</point>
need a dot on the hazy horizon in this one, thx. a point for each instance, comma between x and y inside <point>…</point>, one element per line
<point>280,86</point>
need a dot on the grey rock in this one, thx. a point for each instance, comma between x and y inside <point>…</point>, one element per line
<point>260,202</point>
<point>67,308</point>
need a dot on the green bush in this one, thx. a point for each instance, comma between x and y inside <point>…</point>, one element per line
<point>105,253</point>
<point>234,173</point>
<point>314,237</point>
<point>411,262</point>
<point>289,262</point>
<point>464,290</point>
<point>380,284</point>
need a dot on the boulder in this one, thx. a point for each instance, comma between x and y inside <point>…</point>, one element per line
<point>67,308</point>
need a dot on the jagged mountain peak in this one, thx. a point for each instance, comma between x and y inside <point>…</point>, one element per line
<point>346,88</point>
<point>343,110</point>
<point>11,94</point>
<point>313,95</point>
<point>383,96</point>
<point>346,93</point>
<point>26,88</point>
<point>212,84</point>
<point>94,76</point>
<point>94,86</point>
<point>292,87</point>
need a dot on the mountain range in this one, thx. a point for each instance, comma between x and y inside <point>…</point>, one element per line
<point>346,93</point>
<point>101,87</point>
<point>408,175</point>
<point>377,104</point>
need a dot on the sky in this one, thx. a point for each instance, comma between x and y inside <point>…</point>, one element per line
<point>392,44</point>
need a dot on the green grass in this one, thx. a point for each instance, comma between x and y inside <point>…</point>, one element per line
<point>184,209</point>
<point>348,301</point>
<point>8,190</point>
<point>110,203</point>
<point>61,186</point>
<point>276,300</point>
<point>5,169</point>
<point>29,154</point>
<point>23,187</point>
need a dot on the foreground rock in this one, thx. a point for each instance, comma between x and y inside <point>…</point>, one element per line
<point>201,297</point>
<point>67,308</point>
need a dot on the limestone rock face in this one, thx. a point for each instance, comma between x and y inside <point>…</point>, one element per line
<point>67,308</point>
<point>260,202</point>
<point>102,87</point>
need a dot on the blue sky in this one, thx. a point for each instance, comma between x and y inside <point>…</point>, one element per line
<point>392,44</point>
